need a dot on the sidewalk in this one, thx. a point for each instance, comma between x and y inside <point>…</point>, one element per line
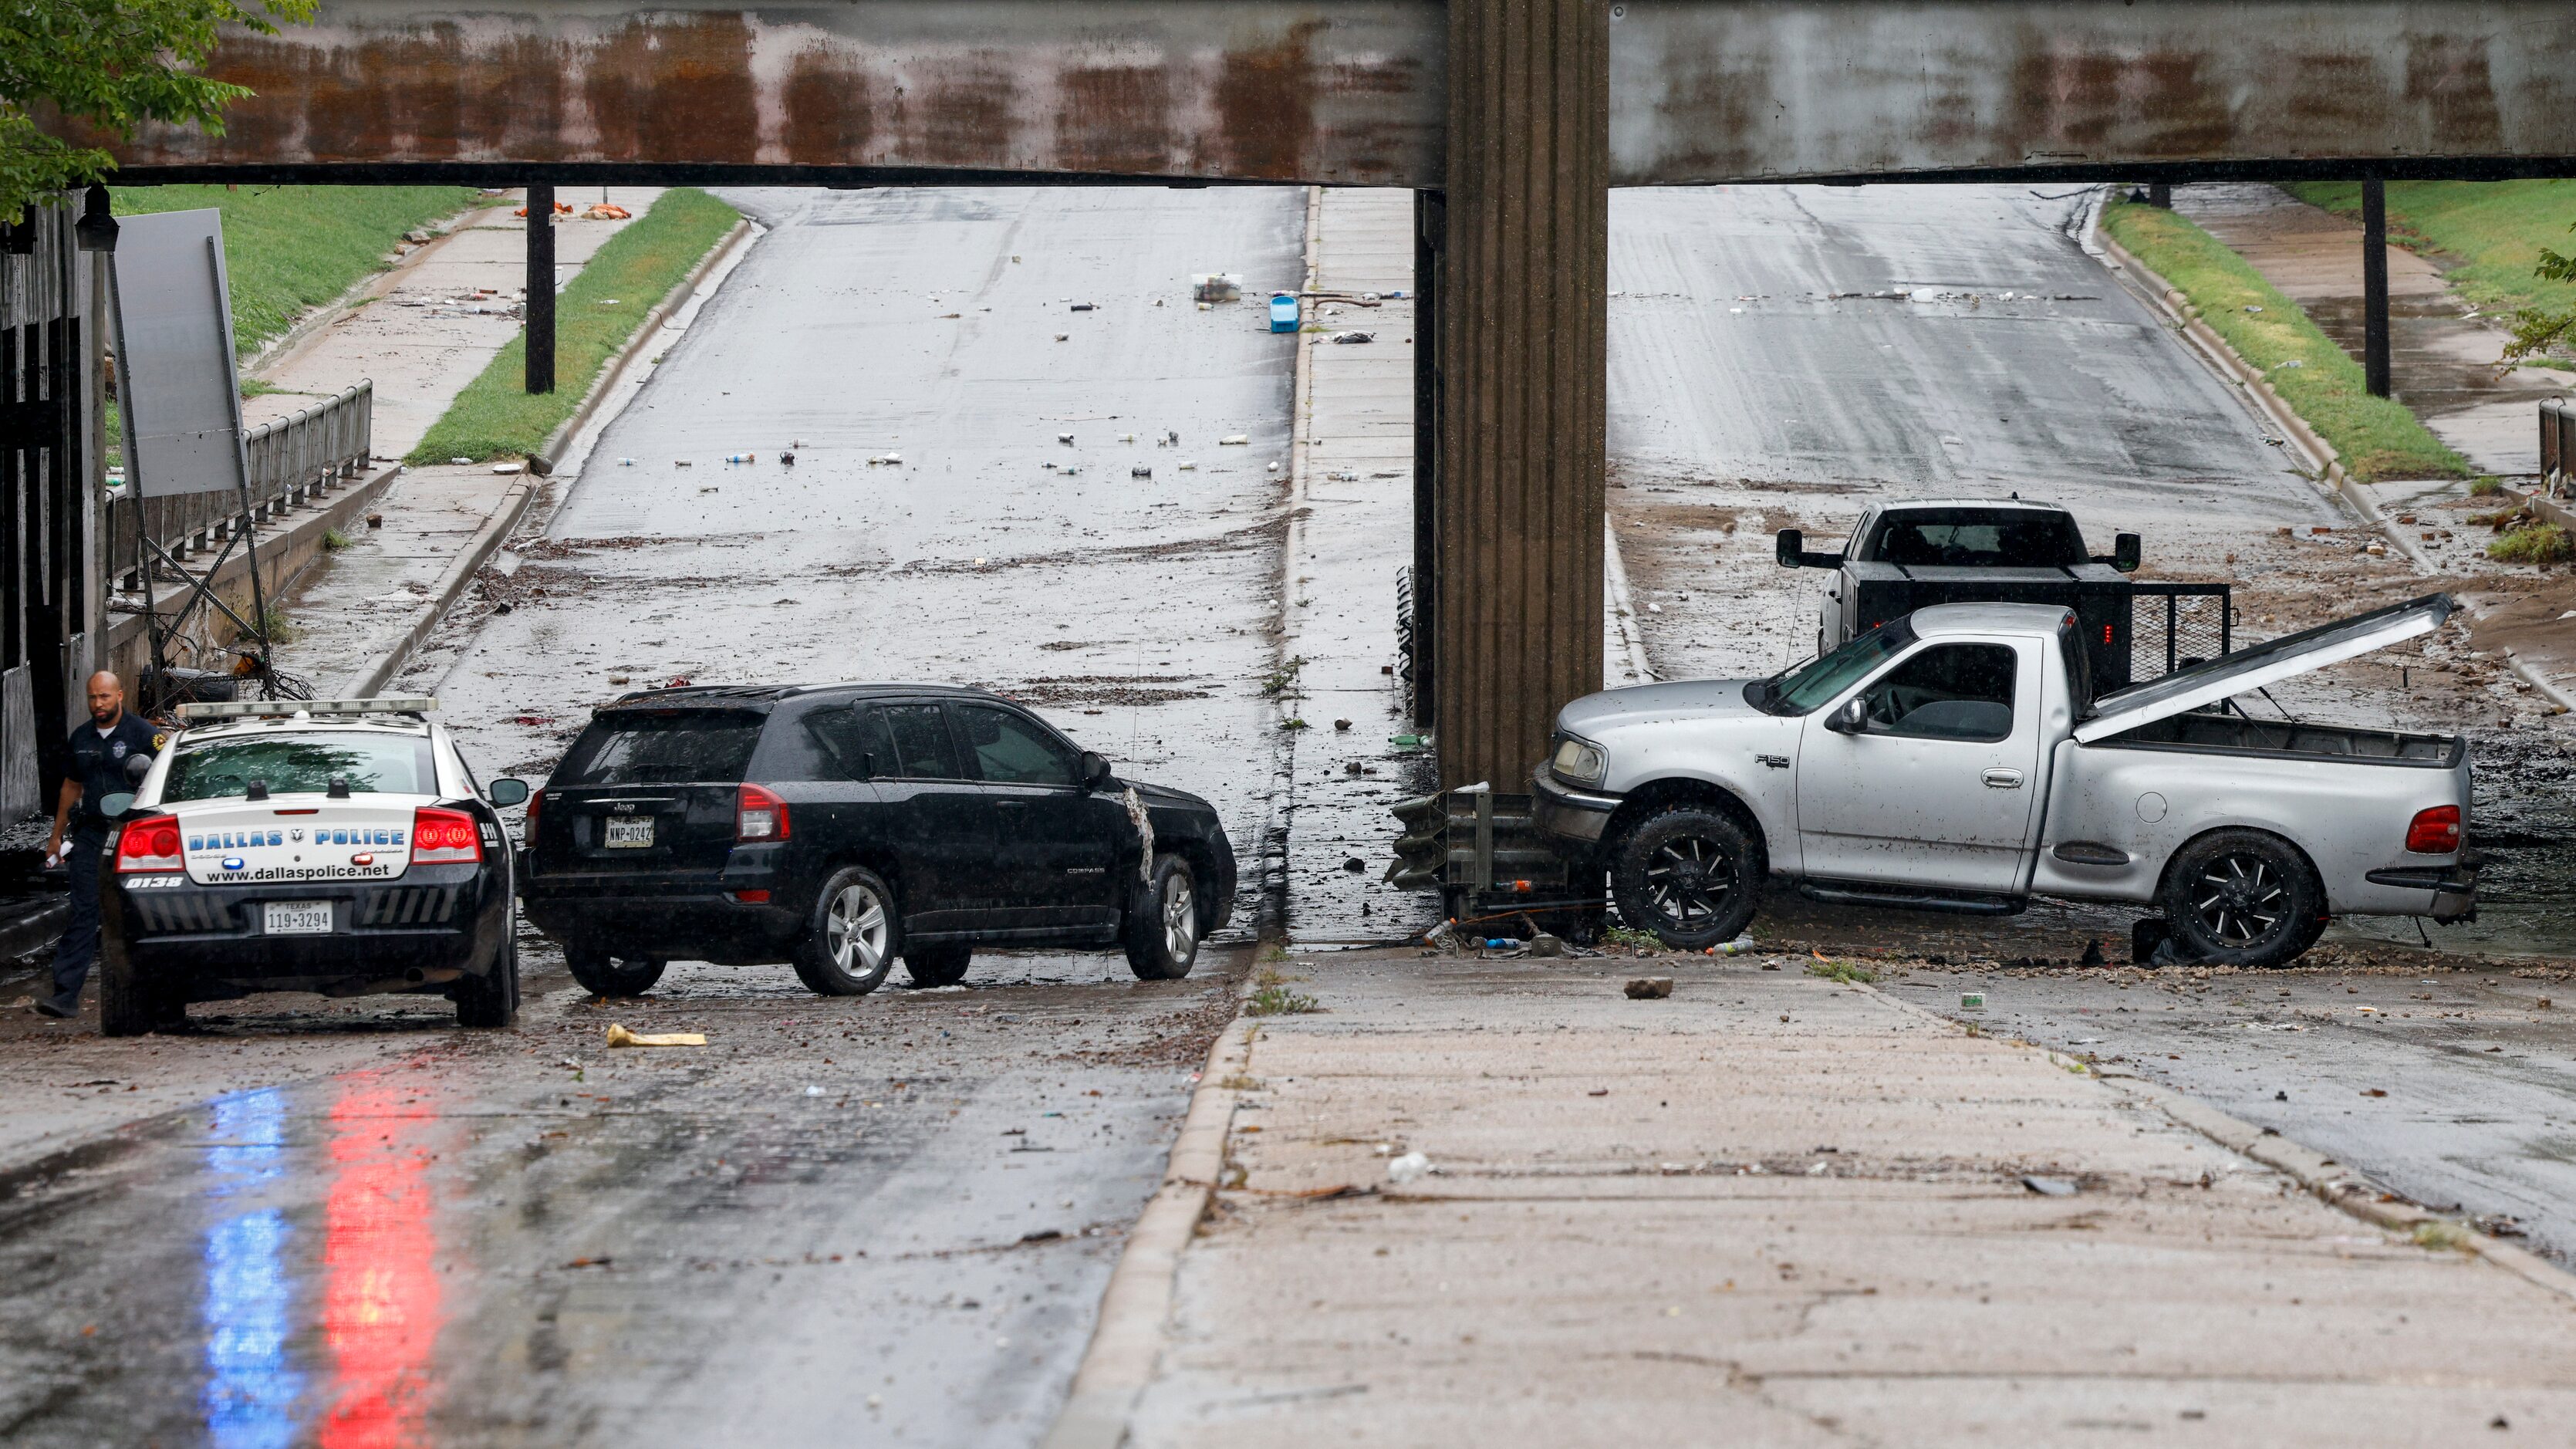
<point>422,334</point>
<point>1776,1209</point>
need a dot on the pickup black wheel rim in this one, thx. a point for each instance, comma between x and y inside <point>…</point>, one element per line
<point>1180,918</point>
<point>855,929</point>
<point>2241,899</point>
<point>1688,879</point>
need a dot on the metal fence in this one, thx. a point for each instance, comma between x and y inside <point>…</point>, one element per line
<point>293,460</point>
<point>2174,625</point>
<point>2557,447</point>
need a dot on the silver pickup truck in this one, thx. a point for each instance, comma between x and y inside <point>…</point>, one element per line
<point>1956,759</point>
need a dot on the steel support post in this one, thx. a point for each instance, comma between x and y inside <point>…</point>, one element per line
<point>2160,195</point>
<point>2374,286</point>
<point>541,289</point>
<point>1523,354</point>
<point>1428,211</point>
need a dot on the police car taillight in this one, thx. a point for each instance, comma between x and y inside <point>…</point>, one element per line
<point>149,844</point>
<point>759,815</point>
<point>444,837</point>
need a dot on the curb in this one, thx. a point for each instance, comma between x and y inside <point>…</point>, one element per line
<point>1272,921</point>
<point>2175,305</point>
<point>542,461</point>
<point>379,671</point>
<point>1127,1344</point>
<point>1623,613</point>
<point>2320,1175</point>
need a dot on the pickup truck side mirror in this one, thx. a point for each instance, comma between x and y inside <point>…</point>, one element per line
<point>506,792</point>
<point>1792,546</point>
<point>1095,771</point>
<point>1851,719</point>
<point>2124,552</point>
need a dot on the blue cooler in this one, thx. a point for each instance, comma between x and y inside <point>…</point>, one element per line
<point>1283,311</point>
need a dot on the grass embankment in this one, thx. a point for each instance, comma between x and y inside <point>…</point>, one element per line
<point>291,248</point>
<point>495,417</point>
<point>2375,437</point>
<point>2485,235</point>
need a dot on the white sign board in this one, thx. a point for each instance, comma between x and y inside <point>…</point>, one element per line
<point>175,383</point>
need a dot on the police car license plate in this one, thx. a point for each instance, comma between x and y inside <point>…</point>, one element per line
<point>630,834</point>
<point>296,918</point>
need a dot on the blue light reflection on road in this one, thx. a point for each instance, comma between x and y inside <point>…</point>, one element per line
<point>250,1391</point>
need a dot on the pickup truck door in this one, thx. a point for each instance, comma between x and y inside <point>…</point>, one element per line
<point>1934,793</point>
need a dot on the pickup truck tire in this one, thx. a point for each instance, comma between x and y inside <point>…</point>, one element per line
<point>943,965</point>
<point>2242,898</point>
<point>603,975</point>
<point>1688,873</point>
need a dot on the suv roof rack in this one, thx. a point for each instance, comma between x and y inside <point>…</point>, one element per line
<point>410,704</point>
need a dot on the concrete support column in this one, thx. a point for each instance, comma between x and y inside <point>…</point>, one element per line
<point>541,289</point>
<point>2374,286</point>
<point>1523,343</point>
<point>1429,223</point>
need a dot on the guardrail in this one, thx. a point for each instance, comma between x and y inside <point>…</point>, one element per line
<point>293,460</point>
<point>2557,446</point>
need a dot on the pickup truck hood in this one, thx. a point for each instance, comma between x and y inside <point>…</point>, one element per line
<point>2248,669</point>
<point>1596,714</point>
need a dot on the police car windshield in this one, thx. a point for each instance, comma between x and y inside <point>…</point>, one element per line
<point>372,764</point>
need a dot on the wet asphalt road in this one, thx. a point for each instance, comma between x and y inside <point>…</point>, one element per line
<point>886,1219</point>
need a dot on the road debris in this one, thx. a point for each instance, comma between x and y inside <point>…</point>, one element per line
<point>1650,988</point>
<point>1408,1168</point>
<point>2049,1186</point>
<point>619,1036</point>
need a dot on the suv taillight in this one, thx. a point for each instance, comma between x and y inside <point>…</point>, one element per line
<point>149,844</point>
<point>759,815</point>
<point>2435,831</point>
<point>444,837</point>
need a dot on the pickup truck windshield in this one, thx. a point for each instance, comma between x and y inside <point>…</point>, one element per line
<point>1803,689</point>
<point>2010,538</point>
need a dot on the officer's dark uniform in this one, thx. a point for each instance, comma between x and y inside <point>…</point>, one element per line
<point>98,763</point>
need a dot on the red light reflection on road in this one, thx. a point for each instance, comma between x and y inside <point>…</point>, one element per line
<point>380,1308</point>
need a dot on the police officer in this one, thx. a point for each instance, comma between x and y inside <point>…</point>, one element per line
<point>99,752</point>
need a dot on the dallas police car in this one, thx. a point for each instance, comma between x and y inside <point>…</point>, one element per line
<point>338,846</point>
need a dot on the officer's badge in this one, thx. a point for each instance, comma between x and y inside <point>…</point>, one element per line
<point>117,750</point>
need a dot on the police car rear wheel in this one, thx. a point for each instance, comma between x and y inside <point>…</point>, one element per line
<point>603,975</point>
<point>491,1000</point>
<point>125,1006</point>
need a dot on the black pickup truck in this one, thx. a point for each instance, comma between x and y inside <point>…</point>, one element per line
<point>1907,556</point>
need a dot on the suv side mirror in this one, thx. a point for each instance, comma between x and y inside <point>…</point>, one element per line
<point>1095,771</point>
<point>506,792</point>
<point>1851,719</point>
<point>2124,552</point>
<point>115,806</point>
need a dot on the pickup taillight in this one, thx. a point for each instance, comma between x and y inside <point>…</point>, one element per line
<point>2435,831</point>
<point>149,844</point>
<point>758,816</point>
<point>444,837</point>
<point>535,799</point>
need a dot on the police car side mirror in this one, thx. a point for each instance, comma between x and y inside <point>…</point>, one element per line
<point>506,792</point>
<point>137,766</point>
<point>116,805</point>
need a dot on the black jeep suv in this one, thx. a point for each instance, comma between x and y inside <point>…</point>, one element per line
<point>840,826</point>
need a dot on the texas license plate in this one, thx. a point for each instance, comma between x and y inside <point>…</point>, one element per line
<point>296,918</point>
<point>630,833</point>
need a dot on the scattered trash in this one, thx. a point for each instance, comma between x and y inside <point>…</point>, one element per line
<point>1065,438</point>
<point>2049,1186</point>
<point>1064,337</point>
<point>1126,437</point>
<point>606,211</point>
<point>742,457</point>
<point>1189,465</point>
<point>887,460</point>
<point>1650,988</point>
<point>619,1036</point>
<point>1206,287</point>
<point>462,462</point>
<point>1342,725</point>
<point>682,463</point>
<point>1235,440</point>
<point>787,460</point>
<point>812,1090</point>
<point>1140,471</point>
<point>1544,944</point>
<point>1354,864</point>
<point>375,520</point>
<point>1407,1168</point>
<point>2092,954</point>
<point>625,462</point>
<point>507,467</point>
<point>1346,338</point>
<point>619,678</point>
<point>1972,1001</point>
<point>1084,307</point>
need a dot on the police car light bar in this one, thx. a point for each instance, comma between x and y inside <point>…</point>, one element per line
<point>239,709</point>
